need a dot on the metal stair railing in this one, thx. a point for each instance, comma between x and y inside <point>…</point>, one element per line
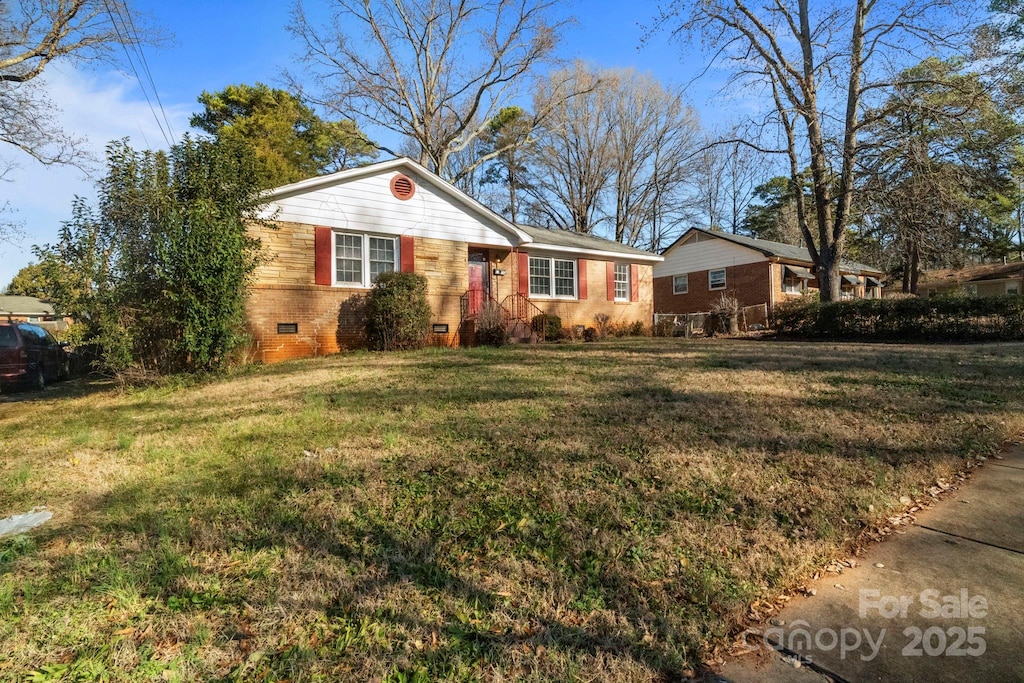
<point>524,311</point>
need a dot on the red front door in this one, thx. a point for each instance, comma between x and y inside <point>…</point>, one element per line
<point>479,282</point>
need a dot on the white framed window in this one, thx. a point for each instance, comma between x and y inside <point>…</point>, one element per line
<point>622,282</point>
<point>792,286</point>
<point>359,259</point>
<point>680,284</point>
<point>716,279</point>
<point>1012,288</point>
<point>552,277</point>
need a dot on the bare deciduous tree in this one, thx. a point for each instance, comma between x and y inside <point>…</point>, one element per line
<point>436,71</point>
<point>725,175</point>
<point>820,66</point>
<point>654,134</point>
<point>617,153</point>
<point>937,169</point>
<point>572,161</point>
<point>34,34</point>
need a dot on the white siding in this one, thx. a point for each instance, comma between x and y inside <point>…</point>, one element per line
<point>706,254</point>
<point>367,205</point>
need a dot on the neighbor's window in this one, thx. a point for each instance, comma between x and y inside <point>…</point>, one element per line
<point>680,284</point>
<point>1012,288</point>
<point>552,277</point>
<point>359,259</point>
<point>792,286</point>
<point>716,279</point>
<point>622,282</point>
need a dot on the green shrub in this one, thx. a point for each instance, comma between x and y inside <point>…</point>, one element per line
<point>959,318</point>
<point>157,275</point>
<point>397,312</point>
<point>547,325</point>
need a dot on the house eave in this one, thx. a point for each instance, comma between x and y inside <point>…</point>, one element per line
<point>606,255</point>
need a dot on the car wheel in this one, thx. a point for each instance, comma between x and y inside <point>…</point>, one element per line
<point>65,370</point>
<point>39,383</point>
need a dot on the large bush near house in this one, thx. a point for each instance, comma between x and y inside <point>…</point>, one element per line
<point>942,318</point>
<point>547,326</point>
<point>157,274</point>
<point>397,312</point>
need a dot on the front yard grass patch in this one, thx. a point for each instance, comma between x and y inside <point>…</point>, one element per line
<point>588,512</point>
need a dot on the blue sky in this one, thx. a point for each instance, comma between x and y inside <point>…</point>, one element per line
<point>216,43</point>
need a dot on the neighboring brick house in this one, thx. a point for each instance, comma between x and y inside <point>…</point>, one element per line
<point>29,309</point>
<point>986,279</point>
<point>328,237</point>
<point>703,264</point>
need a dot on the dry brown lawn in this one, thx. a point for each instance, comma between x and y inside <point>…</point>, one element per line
<point>566,512</point>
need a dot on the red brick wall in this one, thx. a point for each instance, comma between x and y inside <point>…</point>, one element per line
<point>329,319</point>
<point>749,283</point>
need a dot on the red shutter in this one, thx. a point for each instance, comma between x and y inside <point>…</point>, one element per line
<point>581,277</point>
<point>524,273</point>
<point>322,256</point>
<point>610,270</point>
<point>634,282</point>
<point>407,249</point>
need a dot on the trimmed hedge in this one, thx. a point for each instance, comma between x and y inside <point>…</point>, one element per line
<point>397,312</point>
<point>547,325</point>
<point>942,318</point>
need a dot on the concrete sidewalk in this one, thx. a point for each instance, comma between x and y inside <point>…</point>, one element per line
<point>942,602</point>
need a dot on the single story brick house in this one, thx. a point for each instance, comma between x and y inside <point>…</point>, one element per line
<point>986,279</point>
<point>326,239</point>
<point>703,264</point>
<point>30,309</point>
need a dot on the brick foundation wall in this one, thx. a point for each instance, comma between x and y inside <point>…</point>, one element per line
<point>751,284</point>
<point>328,319</point>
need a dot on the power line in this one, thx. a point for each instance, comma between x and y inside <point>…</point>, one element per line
<point>124,39</point>
<point>145,67</point>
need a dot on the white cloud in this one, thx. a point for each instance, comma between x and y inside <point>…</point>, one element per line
<point>99,107</point>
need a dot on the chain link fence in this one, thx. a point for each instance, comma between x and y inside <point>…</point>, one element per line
<point>751,318</point>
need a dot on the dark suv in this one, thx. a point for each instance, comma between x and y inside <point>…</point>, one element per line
<point>30,356</point>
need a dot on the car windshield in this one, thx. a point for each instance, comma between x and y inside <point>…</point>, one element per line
<point>8,338</point>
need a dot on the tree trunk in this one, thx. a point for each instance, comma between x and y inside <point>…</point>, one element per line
<point>829,279</point>
<point>914,267</point>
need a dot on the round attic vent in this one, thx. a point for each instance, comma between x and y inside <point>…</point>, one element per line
<point>403,187</point>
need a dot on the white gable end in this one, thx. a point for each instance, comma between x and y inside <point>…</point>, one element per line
<point>366,204</point>
<point>705,254</point>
